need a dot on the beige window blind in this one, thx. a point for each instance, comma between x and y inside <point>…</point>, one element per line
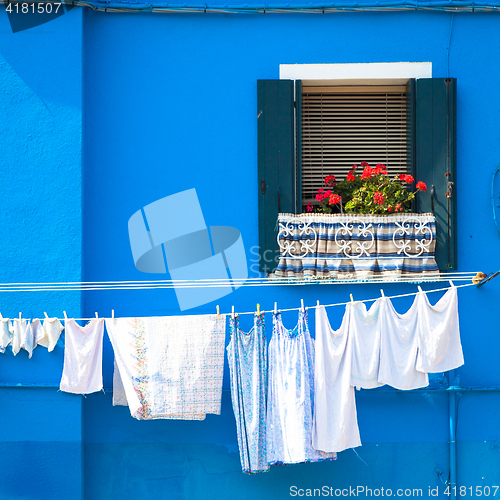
<point>342,126</point>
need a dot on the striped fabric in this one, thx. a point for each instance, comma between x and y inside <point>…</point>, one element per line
<point>356,246</point>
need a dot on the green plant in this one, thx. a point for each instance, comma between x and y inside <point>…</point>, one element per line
<point>371,192</point>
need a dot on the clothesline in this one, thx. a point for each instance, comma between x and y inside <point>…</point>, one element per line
<point>307,307</point>
<point>216,283</point>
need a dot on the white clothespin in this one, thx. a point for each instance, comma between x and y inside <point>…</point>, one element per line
<point>352,300</point>
<point>1,317</point>
<point>317,303</point>
<point>113,314</point>
<point>20,316</point>
<point>65,316</point>
<point>46,315</point>
<point>382,292</point>
<point>275,307</point>
<point>258,309</point>
<point>419,288</point>
<point>302,305</point>
<point>218,315</point>
<point>97,317</point>
<point>451,283</point>
<point>232,311</point>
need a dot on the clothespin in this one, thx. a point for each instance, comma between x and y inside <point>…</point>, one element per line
<point>65,316</point>
<point>20,316</point>
<point>96,316</point>
<point>113,314</point>
<point>352,300</point>
<point>419,288</point>
<point>1,317</point>
<point>302,305</point>
<point>275,307</point>
<point>382,292</point>
<point>258,309</point>
<point>46,315</point>
<point>232,310</point>
<point>218,315</point>
<point>317,303</point>
<point>451,283</point>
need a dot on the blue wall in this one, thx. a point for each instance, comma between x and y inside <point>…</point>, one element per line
<point>168,104</point>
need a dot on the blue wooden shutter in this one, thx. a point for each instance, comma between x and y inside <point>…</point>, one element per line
<point>276,163</point>
<point>435,161</point>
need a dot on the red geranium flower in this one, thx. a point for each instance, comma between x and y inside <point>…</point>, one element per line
<point>367,173</point>
<point>350,176</point>
<point>327,194</point>
<point>319,196</point>
<point>334,198</point>
<point>354,167</point>
<point>364,164</point>
<point>402,177</point>
<point>378,198</point>
<point>421,185</point>
<point>389,208</point>
<point>409,179</point>
<point>380,169</point>
<point>309,207</point>
<point>330,180</point>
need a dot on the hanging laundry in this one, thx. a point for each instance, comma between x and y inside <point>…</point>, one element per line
<point>50,333</point>
<point>247,357</point>
<point>6,333</point>
<point>119,396</point>
<point>291,395</point>
<point>399,348</point>
<point>170,367</point>
<point>440,348</point>
<point>365,331</point>
<point>82,369</point>
<point>335,420</point>
<point>22,337</point>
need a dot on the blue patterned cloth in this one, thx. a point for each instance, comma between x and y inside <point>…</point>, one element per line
<point>291,395</point>
<point>247,358</point>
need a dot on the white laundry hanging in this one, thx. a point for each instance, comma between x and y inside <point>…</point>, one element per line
<point>22,337</point>
<point>170,367</point>
<point>82,369</point>
<point>50,333</point>
<point>6,333</point>
<point>440,348</point>
<point>335,425</point>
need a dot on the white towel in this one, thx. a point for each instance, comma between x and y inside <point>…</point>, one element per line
<point>440,349</point>
<point>399,348</point>
<point>6,332</point>
<point>335,426</point>
<point>170,367</point>
<point>82,369</point>
<point>50,333</point>
<point>365,331</point>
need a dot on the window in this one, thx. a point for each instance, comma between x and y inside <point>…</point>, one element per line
<point>286,180</point>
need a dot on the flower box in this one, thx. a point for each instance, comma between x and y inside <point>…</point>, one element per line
<point>356,246</point>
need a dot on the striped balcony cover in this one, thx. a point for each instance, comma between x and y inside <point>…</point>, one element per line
<point>356,246</point>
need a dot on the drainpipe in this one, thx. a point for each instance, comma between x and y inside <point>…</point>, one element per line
<point>453,435</point>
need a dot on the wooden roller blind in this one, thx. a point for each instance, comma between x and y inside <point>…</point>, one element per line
<point>342,126</point>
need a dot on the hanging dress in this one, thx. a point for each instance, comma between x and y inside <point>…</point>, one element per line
<point>291,395</point>
<point>247,357</point>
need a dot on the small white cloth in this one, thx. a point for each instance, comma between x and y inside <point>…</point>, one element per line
<point>365,330</point>
<point>6,333</point>
<point>22,337</point>
<point>440,348</point>
<point>335,426</point>
<point>170,367</point>
<point>399,348</point>
<point>82,369</point>
<point>50,333</point>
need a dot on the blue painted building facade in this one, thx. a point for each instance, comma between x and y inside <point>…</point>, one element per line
<point>104,113</point>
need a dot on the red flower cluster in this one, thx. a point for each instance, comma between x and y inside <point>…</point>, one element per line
<point>421,185</point>
<point>380,169</point>
<point>334,198</point>
<point>351,176</point>
<point>309,207</point>
<point>330,180</point>
<point>378,198</point>
<point>396,209</point>
<point>367,172</point>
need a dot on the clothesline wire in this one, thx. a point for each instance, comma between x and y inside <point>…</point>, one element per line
<point>308,307</point>
<point>61,287</point>
<point>366,300</point>
<point>212,280</point>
